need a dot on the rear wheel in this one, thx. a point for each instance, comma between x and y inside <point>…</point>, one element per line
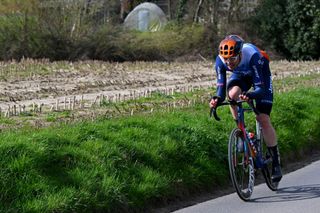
<point>241,166</point>
<point>267,172</point>
<point>267,168</point>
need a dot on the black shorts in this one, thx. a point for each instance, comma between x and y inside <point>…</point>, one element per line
<point>243,82</point>
<point>264,108</point>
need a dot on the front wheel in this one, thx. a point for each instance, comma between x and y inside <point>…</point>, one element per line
<point>241,166</point>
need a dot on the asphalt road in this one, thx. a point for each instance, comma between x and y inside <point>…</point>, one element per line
<point>299,192</point>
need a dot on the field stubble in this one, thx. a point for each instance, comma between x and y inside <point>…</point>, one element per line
<point>42,87</point>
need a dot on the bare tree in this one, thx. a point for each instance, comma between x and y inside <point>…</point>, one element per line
<point>196,15</point>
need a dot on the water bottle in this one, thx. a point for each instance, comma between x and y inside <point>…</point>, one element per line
<point>252,143</point>
<point>251,136</point>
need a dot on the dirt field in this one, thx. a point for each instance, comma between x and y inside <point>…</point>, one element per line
<point>45,83</point>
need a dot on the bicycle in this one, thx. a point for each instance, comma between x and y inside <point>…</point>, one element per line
<point>245,153</point>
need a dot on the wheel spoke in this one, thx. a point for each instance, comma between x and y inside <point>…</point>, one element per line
<point>240,166</point>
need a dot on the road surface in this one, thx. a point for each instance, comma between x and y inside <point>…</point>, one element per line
<point>299,192</point>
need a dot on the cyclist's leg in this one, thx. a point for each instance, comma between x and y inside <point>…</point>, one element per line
<point>233,94</point>
<point>269,136</point>
<point>236,85</point>
<point>268,131</point>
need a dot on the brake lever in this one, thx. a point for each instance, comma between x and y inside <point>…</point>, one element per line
<point>214,113</point>
<point>213,110</point>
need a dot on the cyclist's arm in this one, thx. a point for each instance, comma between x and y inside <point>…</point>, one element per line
<point>258,82</point>
<point>221,79</point>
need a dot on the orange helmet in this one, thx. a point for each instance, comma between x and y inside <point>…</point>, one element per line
<point>230,46</point>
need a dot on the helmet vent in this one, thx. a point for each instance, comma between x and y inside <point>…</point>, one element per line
<point>230,46</point>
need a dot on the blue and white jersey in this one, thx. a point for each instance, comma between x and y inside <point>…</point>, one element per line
<point>253,66</point>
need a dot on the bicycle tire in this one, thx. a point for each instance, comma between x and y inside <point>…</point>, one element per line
<point>267,168</point>
<point>266,171</point>
<point>241,169</point>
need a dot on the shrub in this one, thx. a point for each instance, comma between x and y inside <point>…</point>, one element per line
<point>291,27</point>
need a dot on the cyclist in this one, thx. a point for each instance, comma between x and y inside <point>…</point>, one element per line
<point>250,67</point>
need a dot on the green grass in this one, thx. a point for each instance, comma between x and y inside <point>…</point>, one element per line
<point>127,163</point>
<point>55,116</point>
<point>296,118</point>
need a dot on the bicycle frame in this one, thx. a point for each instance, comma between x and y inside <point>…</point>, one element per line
<point>254,147</point>
<point>242,127</point>
<point>253,155</point>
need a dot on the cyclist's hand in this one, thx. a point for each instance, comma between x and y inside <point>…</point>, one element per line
<point>244,97</point>
<point>213,103</point>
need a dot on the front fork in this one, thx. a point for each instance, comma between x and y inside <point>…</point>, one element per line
<point>255,151</point>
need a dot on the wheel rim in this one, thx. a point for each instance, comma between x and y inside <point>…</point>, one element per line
<point>267,170</point>
<point>241,167</point>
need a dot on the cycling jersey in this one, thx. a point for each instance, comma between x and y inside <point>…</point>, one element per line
<point>253,70</point>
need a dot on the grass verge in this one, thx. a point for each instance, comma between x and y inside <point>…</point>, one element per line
<point>124,164</point>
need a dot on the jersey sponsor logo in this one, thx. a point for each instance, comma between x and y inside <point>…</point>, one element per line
<point>270,86</point>
<point>220,84</point>
<point>261,62</point>
<point>256,71</point>
<point>259,83</point>
<point>266,101</point>
<point>219,73</point>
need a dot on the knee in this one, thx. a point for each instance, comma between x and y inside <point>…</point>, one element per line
<point>234,93</point>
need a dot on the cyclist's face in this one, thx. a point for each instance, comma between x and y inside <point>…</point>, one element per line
<point>233,62</point>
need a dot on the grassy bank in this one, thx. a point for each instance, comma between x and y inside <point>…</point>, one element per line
<point>124,164</point>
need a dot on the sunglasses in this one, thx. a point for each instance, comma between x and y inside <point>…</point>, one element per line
<point>232,59</point>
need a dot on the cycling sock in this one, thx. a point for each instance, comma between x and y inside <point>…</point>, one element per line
<point>274,150</point>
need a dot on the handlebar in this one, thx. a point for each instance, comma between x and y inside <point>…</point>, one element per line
<point>213,110</point>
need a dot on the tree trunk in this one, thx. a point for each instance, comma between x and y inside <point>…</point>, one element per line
<point>196,15</point>
<point>181,9</point>
<point>126,7</point>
